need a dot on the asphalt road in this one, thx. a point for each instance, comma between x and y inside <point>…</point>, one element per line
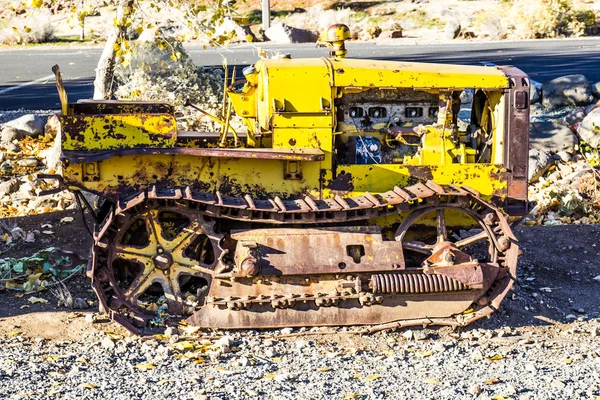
<point>26,81</point>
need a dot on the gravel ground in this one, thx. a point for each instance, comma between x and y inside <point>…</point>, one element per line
<point>561,362</point>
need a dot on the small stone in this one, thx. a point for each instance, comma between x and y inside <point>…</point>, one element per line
<point>408,334</point>
<point>170,331</point>
<point>80,303</point>
<point>243,361</point>
<point>556,384</point>
<point>89,318</point>
<point>595,332</point>
<point>567,90</point>
<point>286,331</point>
<point>419,335</point>
<point>301,344</point>
<point>224,343</point>
<point>268,342</point>
<point>107,343</point>
<point>475,390</point>
<point>11,147</point>
<point>571,316</point>
<point>9,187</point>
<point>596,89</point>
<point>28,162</point>
<point>270,353</point>
<point>530,367</point>
<point>476,355</point>
<point>452,30</point>
<point>597,279</point>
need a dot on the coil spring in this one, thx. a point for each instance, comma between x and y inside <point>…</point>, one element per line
<point>414,283</point>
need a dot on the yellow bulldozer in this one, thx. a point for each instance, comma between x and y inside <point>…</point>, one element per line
<point>356,196</point>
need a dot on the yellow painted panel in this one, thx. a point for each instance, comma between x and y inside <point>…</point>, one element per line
<point>115,131</point>
<point>375,73</point>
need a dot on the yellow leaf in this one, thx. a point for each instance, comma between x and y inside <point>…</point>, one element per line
<point>35,300</point>
<point>498,398</point>
<point>113,336</point>
<point>269,376</point>
<point>424,353</point>
<point>27,29</point>
<point>14,333</point>
<point>325,369</point>
<point>145,366</point>
<point>139,30</point>
<point>200,360</point>
<point>89,386</point>
<point>493,381</point>
<point>36,3</point>
<point>51,358</point>
<point>351,396</point>
<point>496,357</point>
<point>276,359</point>
<point>432,381</point>
<point>568,361</point>
<point>55,374</point>
<point>184,346</point>
<point>164,381</point>
<point>81,360</point>
<point>357,376</point>
<point>19,295</point>
<point>190,330</point>
<point>173,57</point>
<point>372,377</point>
<point>14,28</point>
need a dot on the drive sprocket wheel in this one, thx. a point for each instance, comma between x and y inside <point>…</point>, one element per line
<point>156,251</point>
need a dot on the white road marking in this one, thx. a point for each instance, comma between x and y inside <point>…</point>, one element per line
<point>25,84</point>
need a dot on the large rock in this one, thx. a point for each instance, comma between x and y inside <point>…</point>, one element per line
<point>573,118</point>
<point>52,127</point>
<point>551,137</point>
<point>9,134</point>
<point>282,33</point>
<point>596,89</point>
<point>535,91</point>
<point>569,90</point>
<point>9,187</point>
<point>238,33</point>
<point>589,128</point>
<point>30,124</point>
<point>539,162</point>
<point>452,30</point>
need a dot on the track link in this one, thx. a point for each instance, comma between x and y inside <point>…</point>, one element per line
<point>409,200</point>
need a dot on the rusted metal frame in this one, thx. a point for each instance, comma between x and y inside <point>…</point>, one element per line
<point>517,139</point>
<point>55,177</point>
<point>77,157</point>
<point>92,107</point>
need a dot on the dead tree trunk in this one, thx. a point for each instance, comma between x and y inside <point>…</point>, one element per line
<point>106,65</point>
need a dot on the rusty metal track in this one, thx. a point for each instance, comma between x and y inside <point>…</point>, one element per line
<point>234,311</point>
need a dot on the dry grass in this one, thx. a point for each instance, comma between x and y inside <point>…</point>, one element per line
<point>37,28</point>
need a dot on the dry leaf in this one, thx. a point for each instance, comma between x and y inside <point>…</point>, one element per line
<point>494,358</point>
<point>89,386</point>
<point>184,346</point>
<point>14,333</point>
<point>276,359</point>
<point>113,336</point>
<point>66,220</point>
<point>164,381</point>
<point>351,396</point>
<point>269,376</point>
<point>190,330</point>
<point>568,361</point>
<point>325,369</point>
<point>432,381</point>
<point>145,366</point>
<point>81,360</point>
<point>373,377</point>
<point>51,358</point>
<point>55,374</point>
<point>493,381</point>
<point>35,300</point>
<point>424,353</point>
<point>357,376</point>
